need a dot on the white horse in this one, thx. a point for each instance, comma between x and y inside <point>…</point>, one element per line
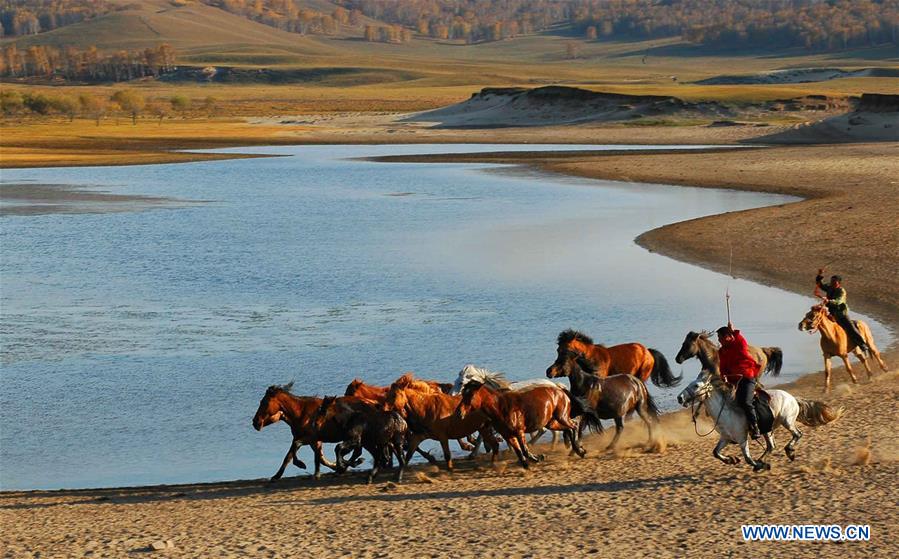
<point>498,381</point>
<point>495,380</point>
<point>730,421</point>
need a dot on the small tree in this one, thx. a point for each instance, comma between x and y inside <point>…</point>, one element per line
<point>37,103</point>
<point>130,101</point>
<point>180,103</point>
<point>11,102</point>
<point>66,105</point>
<point>209,105</point>
<point>157,109</point>
<point>572,50</point>
<point>92,106</point>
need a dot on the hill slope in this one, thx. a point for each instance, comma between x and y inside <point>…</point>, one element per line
<point>189,27</point>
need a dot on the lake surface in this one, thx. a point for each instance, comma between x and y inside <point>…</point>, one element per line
<point>136,345</point>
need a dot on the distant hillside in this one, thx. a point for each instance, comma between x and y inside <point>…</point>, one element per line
<point>183,26</point>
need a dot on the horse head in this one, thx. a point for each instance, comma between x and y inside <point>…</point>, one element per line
<point>572,345</point>
<point>698,390</point>
<point>570,362</point>
<point>690,347</point>
<point>353,387</point>
<point>813,318</point>
<point>269,410</point>
<point>468,393</point>
<point>467,374</point>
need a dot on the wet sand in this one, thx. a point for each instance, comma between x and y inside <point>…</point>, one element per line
<point>40,199</point>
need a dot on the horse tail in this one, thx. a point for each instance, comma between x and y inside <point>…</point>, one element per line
<point>582,408</point>
<point>661,374</point>
<point>775,360</point>
<point>815,413</point>
<point>651,404</point>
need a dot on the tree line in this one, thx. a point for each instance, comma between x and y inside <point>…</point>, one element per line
<point>813,24</point>
<point>123,102</point>
<point>88,65</point>
<point>28,17</point>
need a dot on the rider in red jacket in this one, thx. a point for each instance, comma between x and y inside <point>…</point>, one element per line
<point>739,368</point>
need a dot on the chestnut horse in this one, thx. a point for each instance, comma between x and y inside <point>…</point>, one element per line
<point>624,359</point>
<point>377,394</point>
<point>381,433</point>
<point>513,413</point>
<point>431,415</point>
<point>298,412</point>
<point>613,397</point>
<point>835,342</point>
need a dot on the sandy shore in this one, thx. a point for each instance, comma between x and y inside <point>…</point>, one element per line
<point>680,502</point>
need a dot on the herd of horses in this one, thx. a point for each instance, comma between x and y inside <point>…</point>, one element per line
<point>482,408</point>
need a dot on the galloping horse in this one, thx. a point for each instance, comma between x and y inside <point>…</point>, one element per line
<point>378,394</point>
<point>835,342</point>
<point>381,433</point>
<point>612,397</point>
<point>514,413</point>
<point>710,390</point>
<point>624,359</point>
<point>498,381</point>
<point>298,412</point>
<point>431,414</point>
<point>700,346</point>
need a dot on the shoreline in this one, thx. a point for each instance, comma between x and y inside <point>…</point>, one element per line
<point>653,240</point>
<point>675,500</point>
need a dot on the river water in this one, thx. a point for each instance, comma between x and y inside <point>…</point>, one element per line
<point>136,345</point>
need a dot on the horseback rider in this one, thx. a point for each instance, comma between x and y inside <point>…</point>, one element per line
<point>835,299</point>
<point>739,368</point>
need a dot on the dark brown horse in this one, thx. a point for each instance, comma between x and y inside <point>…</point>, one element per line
<point>298,412</point>
<point>381,433</point>
<point>613,397</point>
<point>700,346</point>
<point>430,414</point>
<point>624,359</point>
<point>513,413</point>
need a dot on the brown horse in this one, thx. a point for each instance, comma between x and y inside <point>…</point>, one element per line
<point>624,359</point>
<point>431,415</point>
<point>613,397</point>
<point>381,433</point>
<point>378,394</point>
<point>835,342</point>
<point>298,412</point>
<point>513,413</point>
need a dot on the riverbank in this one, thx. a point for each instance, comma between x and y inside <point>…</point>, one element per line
<point>678,502</point>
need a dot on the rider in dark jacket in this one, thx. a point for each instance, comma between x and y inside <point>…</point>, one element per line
<point>836,303</point>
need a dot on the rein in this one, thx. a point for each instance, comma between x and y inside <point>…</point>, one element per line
<point>695,413</point>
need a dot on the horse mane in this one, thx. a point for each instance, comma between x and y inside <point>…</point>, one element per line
<point>493,378</point>
<point>276,388</point>
<point>409,381</point>
<point>722,386</point>
<point>570,335</point>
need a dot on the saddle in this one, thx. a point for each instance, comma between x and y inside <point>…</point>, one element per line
<point>762,404</point>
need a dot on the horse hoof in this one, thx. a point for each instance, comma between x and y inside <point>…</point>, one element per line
<point>541,457</point>
<point>790,454</point>
<point>761,466</point>
<point>273,479</point>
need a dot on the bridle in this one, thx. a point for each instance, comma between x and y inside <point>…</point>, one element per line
<point>696,402</point>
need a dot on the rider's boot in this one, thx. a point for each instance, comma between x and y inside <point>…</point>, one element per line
<point>754,431</point>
